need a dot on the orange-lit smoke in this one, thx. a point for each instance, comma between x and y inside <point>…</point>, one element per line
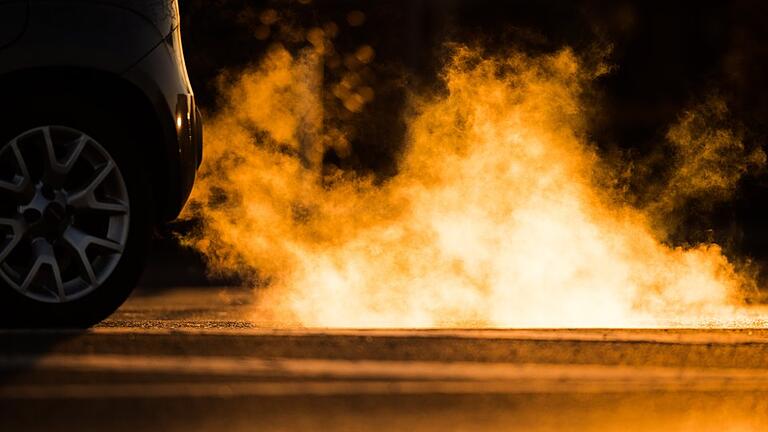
<point>500,214</point>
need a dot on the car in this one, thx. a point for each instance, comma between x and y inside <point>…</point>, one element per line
<point>100,142</point>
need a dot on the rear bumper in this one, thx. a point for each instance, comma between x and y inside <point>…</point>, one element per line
<point>163,79</point>
<point>189,141</point>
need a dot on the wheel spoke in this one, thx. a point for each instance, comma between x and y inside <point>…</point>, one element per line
<point>74,154</point>
<point>17,228</point>
<point>102,174</point>
<point>33,271</point>
<point>20,184</point>
<point>57,171</point>
<point>79,241</point>
<point>44,256</point>
<point>75,239</point>
<point>105,244</point>
<point>85,199</point>
<point>116,208</point>
<point>59,283</point>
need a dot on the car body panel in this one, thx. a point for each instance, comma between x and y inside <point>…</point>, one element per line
<point>85,34</point>
<point>135,41</point>
<point>13,21</point>
<point>162,13</point>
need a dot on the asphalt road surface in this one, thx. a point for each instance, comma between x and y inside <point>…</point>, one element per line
<point>191,360</point>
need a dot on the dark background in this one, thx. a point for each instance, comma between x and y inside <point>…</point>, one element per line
<point>667,54</point>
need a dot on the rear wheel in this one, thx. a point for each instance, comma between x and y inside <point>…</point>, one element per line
<point>74,222</point>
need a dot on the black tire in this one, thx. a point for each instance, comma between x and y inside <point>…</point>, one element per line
<point>113,132</point>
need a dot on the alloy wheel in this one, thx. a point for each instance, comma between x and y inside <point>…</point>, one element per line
<point>64,214</point>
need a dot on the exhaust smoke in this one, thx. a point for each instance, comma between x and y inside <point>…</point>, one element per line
<point>502,213</point>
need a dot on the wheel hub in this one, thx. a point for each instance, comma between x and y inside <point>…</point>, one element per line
<point>46,214</point>
<point>55,215</point>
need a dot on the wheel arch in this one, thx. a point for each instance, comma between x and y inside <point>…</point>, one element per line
<point>30,88</point>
